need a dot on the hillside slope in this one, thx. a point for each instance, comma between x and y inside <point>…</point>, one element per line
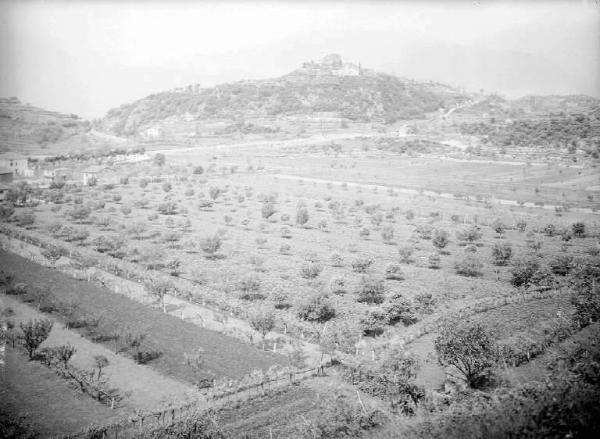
<point>330,92</point>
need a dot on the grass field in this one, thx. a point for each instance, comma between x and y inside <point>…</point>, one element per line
<point>45,401</point>
<point>224,356</point>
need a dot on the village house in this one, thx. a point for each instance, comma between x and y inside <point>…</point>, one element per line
<point>90,175</point>
<point>16,162</point>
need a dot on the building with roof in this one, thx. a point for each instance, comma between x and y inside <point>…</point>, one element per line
<point>18,163</point>
<point>90,175</point>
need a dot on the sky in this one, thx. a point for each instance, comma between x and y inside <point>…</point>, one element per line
<point>87,57</point>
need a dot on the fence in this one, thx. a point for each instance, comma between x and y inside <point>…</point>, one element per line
<point>142,423</point>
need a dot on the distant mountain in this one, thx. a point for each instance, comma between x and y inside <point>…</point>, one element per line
<point>329,92</point>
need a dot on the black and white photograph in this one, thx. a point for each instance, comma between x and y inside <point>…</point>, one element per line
<point>299,219</point>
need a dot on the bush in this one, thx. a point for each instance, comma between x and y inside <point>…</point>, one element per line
<point>167,208</point>
<point>198,170</point>
<point>249,283</point>
<point>364,232</point>
<point>440,238</point>
<point>24,219</point>
<point>302,215</point>
<point>578,230</point>
<point>501,253</point>
<point>373,322</point>
<point>469,267</point>
<point>371,291</point>
<point>337,285</point>
<point>310,269</point>
<point>316,309</point>
<point>361,265</point>
<point>400,310</point>
<point>211,244</point>
<point>434,261</point>
<point>469,235</point>
<point>405,253</point>
<point>337,260</point>
<point>523,269</point>
<point>285,249</point>
<point>561,265</point>
<point>394,272</point>
<point>268,210</point>
<point>387,233</point>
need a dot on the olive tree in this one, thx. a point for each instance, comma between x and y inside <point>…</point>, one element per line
<point>35,332</point>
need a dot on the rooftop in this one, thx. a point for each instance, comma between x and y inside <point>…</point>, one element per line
<point>6,171</point>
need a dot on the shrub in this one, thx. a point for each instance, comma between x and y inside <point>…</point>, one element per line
<point>167,208</point>
<point>424,232</point>
<point>268,210</point>
<point>361,265</point>
<point>373,322</point>
<point>337,260</point>
<point>364,232</point>
<point>498,226</point>
<point>24,219</point>
<point>561,264</point>
<point>159,159</point>
<point>310,269</point>
<point>425,303</point>
<point>337,285</point>
<point>471,248</point>
<point>143,183</point>
<point>302,215</point>
<point>263,321</point>
<point>210,244</point>
<point>549,230</point>
<point>286,233</point>
<point>371,291</point>
<point>523,269</point>
<point>440,238</point>
<point>198,170</point>
<point>578,229</point>
<point>469,235</point>
<point>214,192</point>
<point>400,310</point>
<point>393,271</point>
<point>405,253</point>
<point>316,309</point>
<point>387,233</point>
<point>249,283</point>
<point>285,249</point>
<point>521,225</point>
<point>501,253</point>
<point>434,261</point>
<point>469,266</point>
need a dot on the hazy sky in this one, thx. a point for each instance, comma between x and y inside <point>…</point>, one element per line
<point>90,56</point>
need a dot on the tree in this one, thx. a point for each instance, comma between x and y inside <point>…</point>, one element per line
<point>198,170</point>
<point>371,291</point>
<point>65,352</point>
<point>440,238</point>
<point>302,215</point>
<point>469,267</point>
<point>501,252</point>
<point>263,321</point>
<point>195,361</point>
<point>268,210</point>
<point>100,362</point>
<point>53,253</point>
<point>470,235</point>
<point>310,269</point>
<point>214,192</point>
<point>159,159</point>
<point>523,270</point>
<point>35,332</point>
<point>159,288</point>
<point>469,348</point>
<point>340,335</point>
<point>394,271</point>
<point>387,233</point>
<point>211,245</point>
<point>578,229</point>
<point>316,309</point>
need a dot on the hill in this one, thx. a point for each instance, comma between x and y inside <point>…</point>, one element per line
<point>27,129</point>
<point>325,94</point>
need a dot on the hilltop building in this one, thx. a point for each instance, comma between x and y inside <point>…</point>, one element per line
<point>15,162</point>
<point>331,65</point>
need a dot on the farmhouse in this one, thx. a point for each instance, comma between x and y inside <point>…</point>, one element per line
<point>90,175</point>
<point>16,162</point>
<point>6,175</point>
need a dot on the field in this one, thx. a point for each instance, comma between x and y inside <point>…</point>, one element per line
<point>342,249</point>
